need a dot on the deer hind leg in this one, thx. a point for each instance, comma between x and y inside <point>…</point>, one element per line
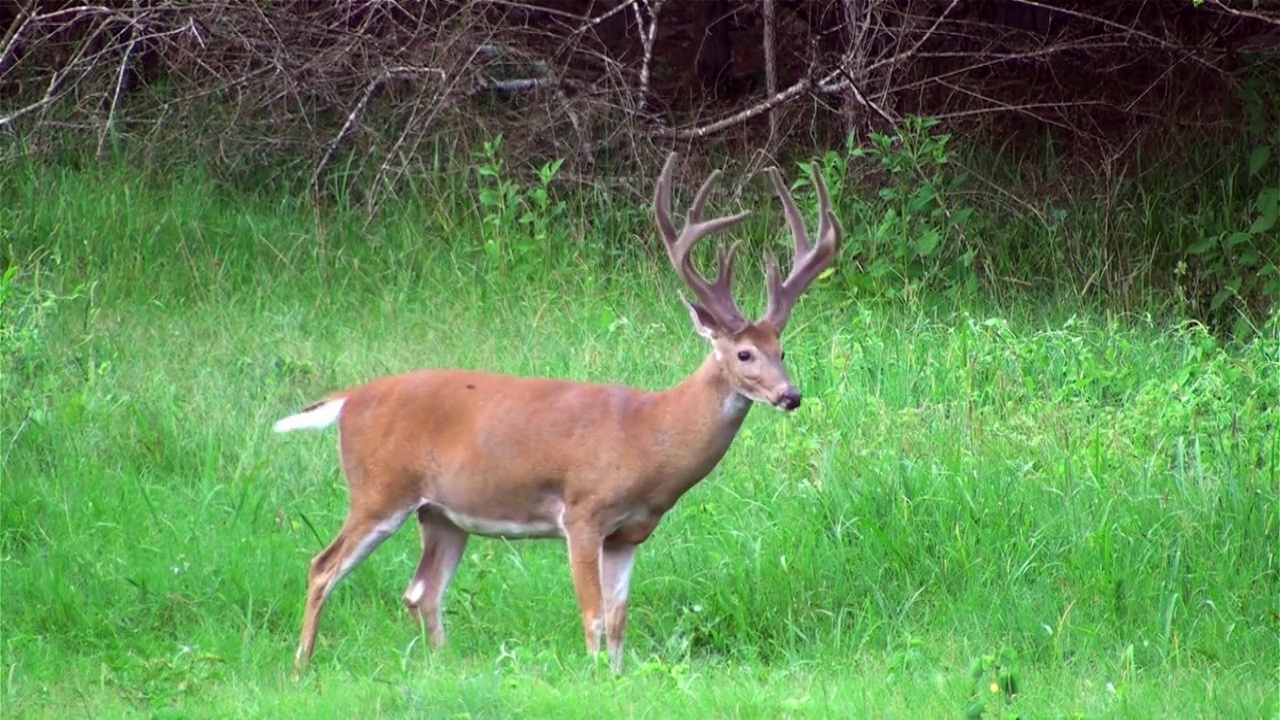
<point>442,546</point>
<point>361,534</point>
<point>616,561</point>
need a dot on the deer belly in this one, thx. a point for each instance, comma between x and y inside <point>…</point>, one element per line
<point>512,529</point>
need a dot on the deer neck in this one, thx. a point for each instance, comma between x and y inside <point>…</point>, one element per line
<point>709,395</point>
<point>711,381</point>
<point>702,415</point>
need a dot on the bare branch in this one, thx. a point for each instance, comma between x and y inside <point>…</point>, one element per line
<point>354,117</point>
<point>11,40</point>
<point>261,79</point>
<point>621,7</point>
<point>650,35</point>
<point>115,95</point>
<point>1251,14</point>
<point>901,57</point>
<point>1130,30</point>
<point>861,98</point>
<point>741,116</point>
<point>770,66</point>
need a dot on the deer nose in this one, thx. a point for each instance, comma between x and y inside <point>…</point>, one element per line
<point>790,400</point>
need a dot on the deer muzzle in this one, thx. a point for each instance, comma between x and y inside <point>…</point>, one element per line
<point>789,400</point>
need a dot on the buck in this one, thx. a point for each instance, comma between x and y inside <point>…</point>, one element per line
<point>477,453</point>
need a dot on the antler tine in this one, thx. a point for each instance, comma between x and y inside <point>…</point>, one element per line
<point>717,297</point>
<point>794,219</point>
<point>809,260</point>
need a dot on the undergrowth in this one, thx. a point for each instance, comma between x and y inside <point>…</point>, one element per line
<point>991,504</point>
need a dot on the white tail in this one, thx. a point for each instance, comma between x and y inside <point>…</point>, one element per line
<point>316,417</point>
<point>475,453</point>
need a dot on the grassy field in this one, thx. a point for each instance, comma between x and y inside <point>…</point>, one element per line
<point>1031,508</point>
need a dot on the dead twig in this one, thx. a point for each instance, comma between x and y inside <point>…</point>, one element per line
<point>354,117</point>
<point>115,95</point>
<point>1270,19</point>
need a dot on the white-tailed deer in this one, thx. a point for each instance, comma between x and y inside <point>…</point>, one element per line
<point>474,453</point>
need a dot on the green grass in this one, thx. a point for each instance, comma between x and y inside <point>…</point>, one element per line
<point>1081,500</point>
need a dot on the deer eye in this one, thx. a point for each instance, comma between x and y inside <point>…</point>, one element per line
<point>744,355</point>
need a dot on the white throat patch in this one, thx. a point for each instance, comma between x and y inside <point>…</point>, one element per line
<point>736,404</point>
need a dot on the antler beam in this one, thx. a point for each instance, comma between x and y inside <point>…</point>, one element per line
<point>715,297</point>
<point>810,260</point>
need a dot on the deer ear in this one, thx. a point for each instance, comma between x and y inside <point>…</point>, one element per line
<point>703,321</point>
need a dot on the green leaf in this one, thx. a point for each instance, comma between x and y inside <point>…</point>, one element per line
<point>1268,200</point>
<point>549,170</point>
<point>921,198</point>
<point>1203,246</point>
<point>1249,258</point>
<point>961,216</point>
<point>1258,159</point>
<point>1219,298</point>
<point>1238,237</point>
<point>1265,221</point>
<point>879,268</point>
<point>928,242</point>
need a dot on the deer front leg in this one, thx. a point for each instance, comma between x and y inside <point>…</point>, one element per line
<point>442,546</point>
<point>616,561</point>
<point>585,548</point>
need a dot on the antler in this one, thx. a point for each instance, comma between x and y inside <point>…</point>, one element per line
<point>809,260</point>
<point>716,298</point>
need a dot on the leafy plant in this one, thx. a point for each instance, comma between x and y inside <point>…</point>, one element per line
<point>994,676</point>
<point>919,234</point>
<point>518,221</point>
<point>25,309</point>
<point>1239,263</point>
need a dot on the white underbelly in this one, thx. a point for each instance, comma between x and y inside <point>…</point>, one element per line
<point>546,524</point>
<point>489,527</point>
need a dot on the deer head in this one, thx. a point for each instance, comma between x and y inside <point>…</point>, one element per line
<point>750,354</point>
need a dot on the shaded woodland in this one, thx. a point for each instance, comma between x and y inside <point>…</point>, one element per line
<point>1077,96</point>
